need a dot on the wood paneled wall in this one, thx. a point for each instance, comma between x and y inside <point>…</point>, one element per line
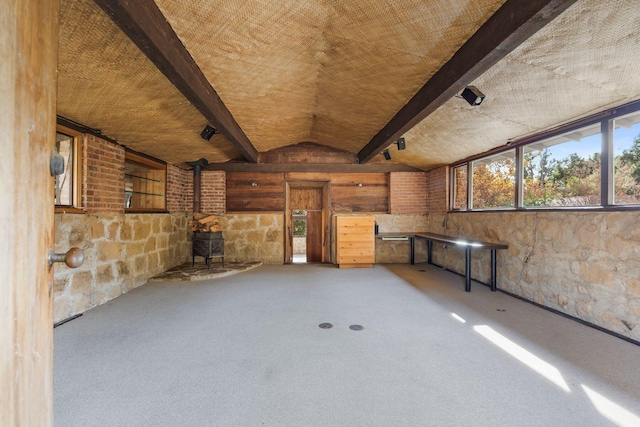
<point>346,194</point>
<point>255,192</point>
<point>308,199</point>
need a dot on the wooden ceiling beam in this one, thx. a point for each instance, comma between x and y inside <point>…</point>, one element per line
<point>147,27</point>
<point>504,31</point>
<point>292,167</point>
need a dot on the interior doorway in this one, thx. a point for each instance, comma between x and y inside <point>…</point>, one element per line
<point>307,222</point>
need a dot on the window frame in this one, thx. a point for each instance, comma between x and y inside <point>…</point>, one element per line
<point>150,163</point>
<point>607,191</point>
<point>76,205</point>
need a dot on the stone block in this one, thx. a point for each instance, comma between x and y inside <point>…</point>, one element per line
<point>60,283</point>
<point>109,251</point>
<point>61,309</point>
<point>140,264</point>
<point>97,228</point>
<point>255,237</point>
<point>162,242</point>
<point>563,301</point>
<point>266,220</point>
<point>133,249</point>
<point>81,283</point>
<point>122,268</point>
<point>153,263</point>
<point>274,235</point>
<point>113,230</point>
<point>126,233</point>
<point>141,230</point>
<point>104,274</point>
<point>165,224</point>
<point>243,222</point>
<point>150,245</point>
<point>77,236</point>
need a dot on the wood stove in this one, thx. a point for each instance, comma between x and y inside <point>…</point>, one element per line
<point>208,246</point>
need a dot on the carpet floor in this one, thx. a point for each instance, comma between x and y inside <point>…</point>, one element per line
<point>247,350</point>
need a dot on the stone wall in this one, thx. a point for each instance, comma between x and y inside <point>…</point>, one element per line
<point>584,264</point>
<point>121,253</point>
<point>394,251</point>
<point>300,245</point>
<point>253,237</point>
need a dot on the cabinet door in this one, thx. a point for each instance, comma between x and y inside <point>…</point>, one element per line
<point>356,241</point>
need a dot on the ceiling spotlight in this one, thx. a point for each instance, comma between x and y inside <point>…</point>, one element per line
<point>473,95</point>
<point>387,155</point>
<point>401,144</point>
<point>208,132</point>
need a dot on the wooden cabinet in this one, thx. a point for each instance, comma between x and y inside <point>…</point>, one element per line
<point>355,243</point>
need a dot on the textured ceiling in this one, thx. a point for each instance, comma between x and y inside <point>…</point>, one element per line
<point>584,61</point>
<point>335,72</point>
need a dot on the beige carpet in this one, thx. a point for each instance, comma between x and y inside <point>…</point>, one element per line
<point>247,350</point>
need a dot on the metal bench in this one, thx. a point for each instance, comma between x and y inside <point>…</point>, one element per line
<point>468,245</point>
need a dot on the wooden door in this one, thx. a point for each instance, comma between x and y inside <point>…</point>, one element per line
<point>314,236</point>
<point>29,30</point>
<point>311,196</point>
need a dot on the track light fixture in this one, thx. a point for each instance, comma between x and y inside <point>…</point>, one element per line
<point>208,132</point>
<point>473,95</point>
<point>401,144</point>
<point>387,154</point>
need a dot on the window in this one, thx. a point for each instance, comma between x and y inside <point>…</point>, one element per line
<point>67,189</point>
<point>299,223</point>
<point>591,163</point>
<point>145,183</point>
<point>563,170</point>
<point>626,158</point>
<point>494,181</point>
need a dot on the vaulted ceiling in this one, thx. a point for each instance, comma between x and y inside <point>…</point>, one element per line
<point>346,74</point>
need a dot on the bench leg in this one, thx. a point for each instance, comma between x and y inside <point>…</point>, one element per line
<point>429,248</point>
<point>494,285</point>
<point>413,249</point>
<point>467,273</point>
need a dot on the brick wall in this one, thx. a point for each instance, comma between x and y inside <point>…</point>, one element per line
<point>179,189</point>
<point>408,192</point>
<point>213,199</point>
<point>438,190</point>
<point>103,176</point>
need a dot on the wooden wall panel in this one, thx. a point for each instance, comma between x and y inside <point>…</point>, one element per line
<point>347,196</point>
<point>267,195</point>
<point>307,199</point>
<point>307,176</point>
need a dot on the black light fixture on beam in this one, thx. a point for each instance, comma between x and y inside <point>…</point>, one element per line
<point>387,154</point>
<point>473,95</point>
<point>208,132</point>
<point>400,142</point>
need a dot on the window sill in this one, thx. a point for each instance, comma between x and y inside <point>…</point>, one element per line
<point>149,211</point>
<point>69,210</point>
<point>612,208</point>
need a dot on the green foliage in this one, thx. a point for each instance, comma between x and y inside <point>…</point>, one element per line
<point>299,227</point>
<point>631,158</point>
<point>493,185</point>
<point>570,181</point>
